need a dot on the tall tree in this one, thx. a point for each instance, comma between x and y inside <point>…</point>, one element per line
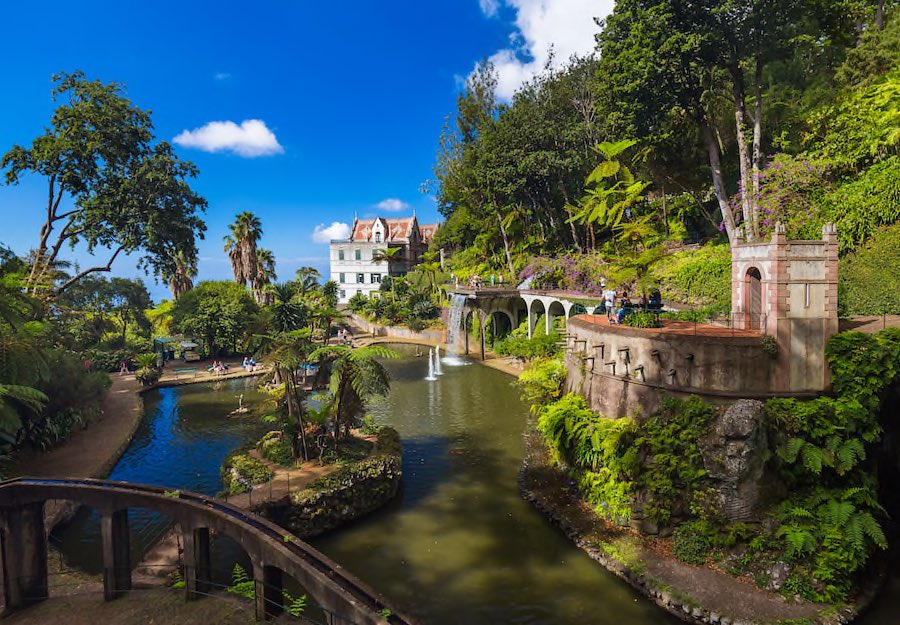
<point>181,278</point>
<point>109,184</point>
<point>263,275</point>
<point>241,246</point>
<point>307,279</point>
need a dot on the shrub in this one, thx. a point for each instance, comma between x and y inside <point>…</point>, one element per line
<point>240,471</point>
<point>275,448</point>
<point>542,382</point>
<point>700,276</point>
<point>642,319</point>
<point>691,543</point>
<point>869,283</point>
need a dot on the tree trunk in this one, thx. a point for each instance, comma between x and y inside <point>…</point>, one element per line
<point>715,164</point>
<point>879,15</point>
<point>509,261</point>
<point>740,122</point>
<point>757,141</point>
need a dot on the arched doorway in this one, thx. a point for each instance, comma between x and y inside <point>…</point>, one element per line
<point>753,299</point>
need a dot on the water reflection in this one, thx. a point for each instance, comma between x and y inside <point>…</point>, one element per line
<point>460,545</point>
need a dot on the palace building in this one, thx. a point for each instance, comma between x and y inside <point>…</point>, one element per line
<point>352,264</point>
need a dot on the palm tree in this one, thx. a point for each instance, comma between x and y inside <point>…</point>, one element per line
<point>430,265</point>
<point>181,281</point>
<point>356,376</point>
<point>388,255</point>
<point>330,293</point>
<point>307,279</point>
<point>263,275</point>
<point>241,246</point>
<point>288,351</point>
<point>287,311</point>
<point>325,314</point>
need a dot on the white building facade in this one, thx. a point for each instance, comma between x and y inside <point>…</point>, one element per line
<point>352,264</point>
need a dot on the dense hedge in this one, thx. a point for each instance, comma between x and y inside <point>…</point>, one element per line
<point>869,281</point>
<point>697,277</point>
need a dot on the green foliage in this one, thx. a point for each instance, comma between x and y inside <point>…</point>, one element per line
<point>829,527</point>
<point>861,128</point>
<point>241,584</point>
<point>216,313</point>
<point>860,205</point>
<point>700,276</point>
<point>598,451</point>
<point>241,471</point>
<point>129,192</point>
<point>542,382</point>
<point>275,448</point>
<point>691,542</point>
<point>869,283</point>
<point>540,345</point>
<point>369,426</point>
<point>642,319</point>
<point>670,440</point>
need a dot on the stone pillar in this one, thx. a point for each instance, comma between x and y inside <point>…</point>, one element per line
<point>24,546</point>
<point>269,596</point>
<point>530,318</point>
<point>115,537</point>
<point>196,561</point>
<point>483,320</point>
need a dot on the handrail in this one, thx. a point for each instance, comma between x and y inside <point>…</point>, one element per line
<point>360,592</point>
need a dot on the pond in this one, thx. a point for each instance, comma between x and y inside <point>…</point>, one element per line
<point>458,545</point>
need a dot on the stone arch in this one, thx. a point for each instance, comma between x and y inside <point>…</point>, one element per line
<point>753,296</point>
<point>555,310</point>
<point>536,308</point>
<point>501,323</point>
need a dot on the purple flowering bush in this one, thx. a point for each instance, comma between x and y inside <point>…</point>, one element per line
<point>569,272</point>
<point>790,188</point>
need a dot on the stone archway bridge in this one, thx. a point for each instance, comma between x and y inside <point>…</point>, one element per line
<point>516,305</point>
<point>272,550</point>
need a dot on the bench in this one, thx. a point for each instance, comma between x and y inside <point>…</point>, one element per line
<point>191,370</point>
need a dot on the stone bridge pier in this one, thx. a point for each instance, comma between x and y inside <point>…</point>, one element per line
<point>273,552</point>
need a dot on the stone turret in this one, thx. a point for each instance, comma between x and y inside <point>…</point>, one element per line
<point>788,290</point>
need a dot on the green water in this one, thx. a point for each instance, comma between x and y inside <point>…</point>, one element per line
<point>459,545</point>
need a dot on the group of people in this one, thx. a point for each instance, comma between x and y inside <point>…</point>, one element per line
<point>344,337</point>
<point>616,314</point>
<point>218,367</point>
<point>249,364</point>
<point>475,281</point>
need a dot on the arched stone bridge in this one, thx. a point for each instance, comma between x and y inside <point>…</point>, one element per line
<point>272,550</point>
<point>513,306</point>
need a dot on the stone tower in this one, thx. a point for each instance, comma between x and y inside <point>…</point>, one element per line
<point>788,290</point>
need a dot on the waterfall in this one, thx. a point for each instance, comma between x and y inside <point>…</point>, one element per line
<point>455,323</point>
<point>431,376</point>
<point>437,361</point>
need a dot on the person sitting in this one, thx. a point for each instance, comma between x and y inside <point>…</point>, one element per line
<point>642,301</point>
<point>246,363</point>
<point>655,299</point>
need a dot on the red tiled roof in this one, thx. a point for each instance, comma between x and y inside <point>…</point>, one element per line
<point>398,230</point>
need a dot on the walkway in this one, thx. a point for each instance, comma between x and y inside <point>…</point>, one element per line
<point>671,326</point>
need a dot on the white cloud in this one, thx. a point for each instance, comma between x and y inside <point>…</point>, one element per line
<point>489,7</point>
<point>251,139</point>
<point>392,205</point>
<point>337,230</point>
<point>566,27</point>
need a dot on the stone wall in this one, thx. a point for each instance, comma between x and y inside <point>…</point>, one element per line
<point>426,337</point>
<point>349,493</point>
<point>650,364</point>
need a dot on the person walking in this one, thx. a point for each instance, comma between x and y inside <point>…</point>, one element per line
<point>609,301</point>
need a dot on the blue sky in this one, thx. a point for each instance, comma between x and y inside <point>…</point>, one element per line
<point>327,108</point>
